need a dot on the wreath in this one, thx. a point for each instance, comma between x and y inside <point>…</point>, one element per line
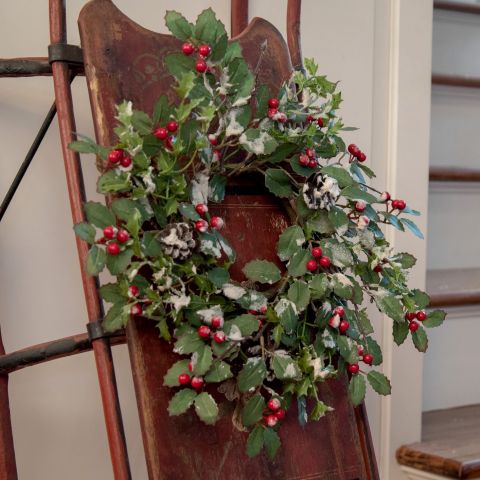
<point>267,341</point>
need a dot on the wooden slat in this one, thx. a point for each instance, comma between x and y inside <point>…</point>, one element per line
<point>453,287</point>
<point>452,174</point>
<point>238,16</point>
<point>457,7</point>
<point>294,10</point>
<point>455,80</point>
<point>450,443</point>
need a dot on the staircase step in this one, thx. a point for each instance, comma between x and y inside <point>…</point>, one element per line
<point>456,80</point>
<point>450,443</point>
<point>454,174</point>
<point>454,287</point>
<point>462,7</point>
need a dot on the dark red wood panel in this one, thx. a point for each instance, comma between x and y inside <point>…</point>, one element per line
<point>124,61</point>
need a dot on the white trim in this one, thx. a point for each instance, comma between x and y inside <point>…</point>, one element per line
<point>414,474</point>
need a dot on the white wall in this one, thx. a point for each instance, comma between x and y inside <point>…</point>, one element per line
<point>381,53</point>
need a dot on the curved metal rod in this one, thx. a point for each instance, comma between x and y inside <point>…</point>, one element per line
<point>238,17</point>
<point>294,10</point>
<point>101,347</point>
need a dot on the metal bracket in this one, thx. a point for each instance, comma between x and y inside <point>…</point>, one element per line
<point>63,52</point>
<point>95,331</point>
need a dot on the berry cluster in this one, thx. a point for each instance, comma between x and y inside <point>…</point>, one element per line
<point>337,320</point>
<point>205,332</point>
<point>120,157</point>
<point>113,237</point>
<point>186,379</point>
<point>273,112</point>
<point>202,225</point>
<point>355,152</point>
<point>413,325</point>
<point>275,412</point>
<point>166,133</point>
<point>308,159</point>
<point>311,118</point>
<point>203,52</point>
<point>318,260</point>
<point>367,358</point>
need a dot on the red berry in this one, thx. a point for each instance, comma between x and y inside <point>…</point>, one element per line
<point>312,163</point>
<point>136,309</point>
<point>334,321</point>
<point>368,358</point>
<point>312,265</point>
<point>324,262</point>
<point>309,118</point>
<point>217,155</point>
<point>216,322</point>
<point>273,103</point>
<point>109,232</point>
<point>115,155</point>
<point>361,157</point>
<point>172,126</point>
<point>413,326</point>
<point>190,366</point>
<point>271,420</point>
<point>201,66</point>
<point>201,208</point>
<point>213,139</point>
<point>353,368</point>
<point>353,149</point>
<point>113,248</point>
<point>203,331</point>
<point>123,236</point>
<point>310,152</point>
<point>219,337</point>
<point>410,316</point>
<point>187,48</point>
<point>340,311</point>
<point>421,316</point>
<point>280,414</point>
<point>394,204</point>
<point>320,122</point>
<point>216,223</point>
<point>360,206</point>
<point>201,226</point>
<point>317,252</point>
<point>204,50</point>
<point>401,205</point>
<point>184,379</point>
<point>303,160</point>
<point>168,142</point>
<point>385,197</point>
<point>197,383</point>
<point>274,404</point>
<point>360,350</point>
<point>126,161</point>
<point>133,290</point>
<point>344,326</point>
<point>272,112</point>
<point>378,269</point>
<point>263,309</point>
<point>161,133</point>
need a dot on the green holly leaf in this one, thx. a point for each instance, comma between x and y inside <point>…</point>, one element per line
<point>347,349</point>
<point>252,374</point>
<point>188,342</point>
<point>216,188</point>
<point>291,239</point>
<point>339,253</point>
<point>299,294</point>
<point>255,441</point>
<point>341,175</point>
<point>112,293</point>
<point>115,319</point>
<point>262,97</point>
<point>400,332</point>
<point>178,64</point>
<point>206,408</point>
<point>278,182</point>
<point>405,260</point>
<point>421,299</point>
<point>364,322</point>
<point>151,246</point>
<point>412,227</point>
<point>374,349</point>
<point>297,267</point>
<point>117,264</point>
<point>357,389</point>
<point>319,410</point>
<point>247,324</point>
<point>125,207</point>
<point>434,319</point>
<point>390,305</point>
<point>284,366</point>
<point>420,339</point>
<point>287,315</point>
<point>161,111</point>
<point>319,286</point>
<point>202,360</point>
<point>379,382</point>
<point>319,222</point>
<point>96,260</point>
<point>262,271</point>
<point>253,410</point>
<point>141,122</point>
<point>342,286</point>
<point>178,25</point>
<point>181,401</point>
<point>171,377</point>
<point>218,276</point>
<point>338,218</point>
<point>271,442</point>
<point>354,192</point>
<point>99,215</point>
<point>218,372</point>
<point>208,28</point>
<point>85,231</point>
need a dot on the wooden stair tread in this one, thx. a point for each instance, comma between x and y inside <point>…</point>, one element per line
<point>453,287</point>
<point>450,443</point>
<point>456,80</point>
<point>463,7</point>
<point>454,174</point>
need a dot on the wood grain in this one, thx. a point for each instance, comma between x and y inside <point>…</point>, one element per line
<point>456,80</point>
<point>452,287</point>
<point>463,7</point>
<point>454,174</point>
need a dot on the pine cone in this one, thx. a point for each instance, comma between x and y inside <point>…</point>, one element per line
<point>321,192</point>
<point>177,240</point>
